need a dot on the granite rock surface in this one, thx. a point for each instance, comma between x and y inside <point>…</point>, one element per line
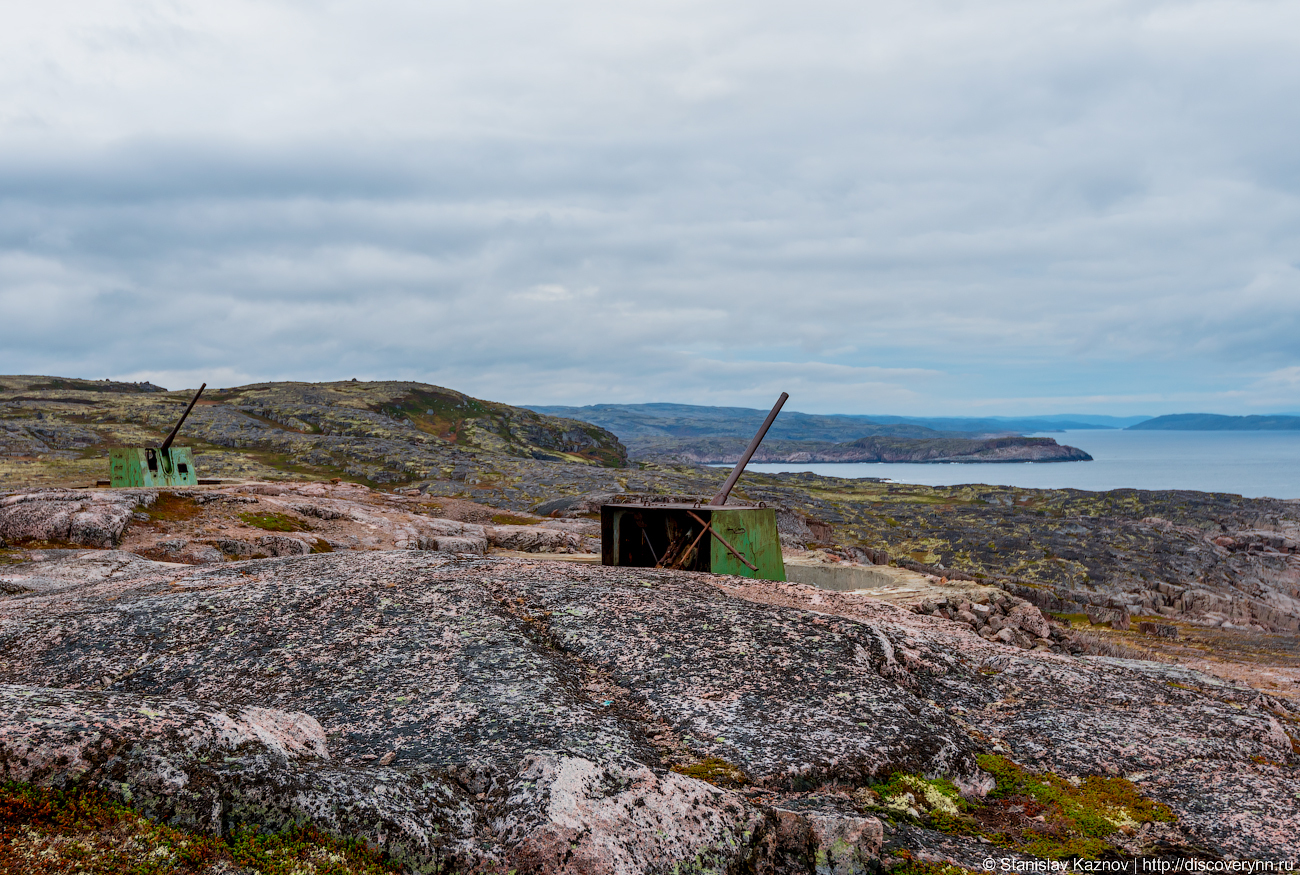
<point>529,714</point>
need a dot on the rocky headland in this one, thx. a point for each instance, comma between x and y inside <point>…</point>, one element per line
<point>723,450</point>
<point>58,430</point>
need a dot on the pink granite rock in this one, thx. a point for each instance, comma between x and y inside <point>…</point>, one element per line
<point>538,706</point>
<point>92,519</point>
<point>1030,619</point>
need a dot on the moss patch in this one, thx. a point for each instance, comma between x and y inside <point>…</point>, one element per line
<point>1073,819</point>
<point>47,831</point>
<point>906,864</point>
<point>507,519</point>
<point>716,771</point>
<point>1040,814</point>
<point>275,522</point>
<point>908,792</point>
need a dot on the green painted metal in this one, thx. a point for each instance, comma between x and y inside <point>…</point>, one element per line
<point>752,531</point>
<point>149,466</point>
<point>637,535</point>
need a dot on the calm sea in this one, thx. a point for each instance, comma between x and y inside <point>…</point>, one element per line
<point>1250,463</point>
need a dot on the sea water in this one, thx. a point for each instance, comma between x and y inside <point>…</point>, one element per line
<point>1250,463</point>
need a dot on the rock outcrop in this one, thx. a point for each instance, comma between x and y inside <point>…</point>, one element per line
<point>65,516</point>
<point>258,520</point>
<point>544,717</point>
<point>1211,559</point>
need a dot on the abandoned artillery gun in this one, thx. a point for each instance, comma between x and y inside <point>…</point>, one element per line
<point>741,539</point>
<point>156,466</point>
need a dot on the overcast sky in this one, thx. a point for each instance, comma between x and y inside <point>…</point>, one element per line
<point>993,207</point>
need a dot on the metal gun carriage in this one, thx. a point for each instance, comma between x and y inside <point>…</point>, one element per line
<point>697,536</point>
<point>164,465</point>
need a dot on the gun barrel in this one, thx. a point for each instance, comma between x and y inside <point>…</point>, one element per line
<point>721,497</point>
<point>171,437</point>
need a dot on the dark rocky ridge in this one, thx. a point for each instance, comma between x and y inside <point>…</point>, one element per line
<point>636,421</point>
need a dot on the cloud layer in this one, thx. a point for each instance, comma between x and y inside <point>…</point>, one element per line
<point>928,208</point>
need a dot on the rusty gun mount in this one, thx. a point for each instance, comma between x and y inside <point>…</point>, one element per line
<point>693,536</point>
<point>161,466</point>
<point>725,491</point>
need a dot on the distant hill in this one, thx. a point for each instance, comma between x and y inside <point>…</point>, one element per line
<point>1015,424</point>
<point>630,421</point>
<point>1217,422</point>
<point>642,421</point>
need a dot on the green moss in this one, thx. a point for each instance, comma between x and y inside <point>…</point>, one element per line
<point>715,771</point>
<point>320,545</point>
<point>932,796</point>
<point>275,522</point>
<point>304,849</point>
<point>84,831</point>
<point>506,519</point>
<point>1077,817</point>
<point>910,866</point>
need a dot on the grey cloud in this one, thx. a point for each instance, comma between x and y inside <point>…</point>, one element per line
<point>696,203</point>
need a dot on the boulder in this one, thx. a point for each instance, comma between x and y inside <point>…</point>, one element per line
<point>534,539</point>
<point>1030,619</point>
<point>846,845</point>
<point>455,544</point>
<point>1116,618</point>
<point>91,519</point>
<point>215,770</point>
<point>283,545</point>
<point>574,815</point>
<point>1161,630</point>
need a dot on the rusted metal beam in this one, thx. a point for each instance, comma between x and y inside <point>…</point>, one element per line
<point>678,561</point>
<point>171,437</point>
<point>721,497</point>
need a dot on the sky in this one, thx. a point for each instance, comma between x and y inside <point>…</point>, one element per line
<point>1000,207</point>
